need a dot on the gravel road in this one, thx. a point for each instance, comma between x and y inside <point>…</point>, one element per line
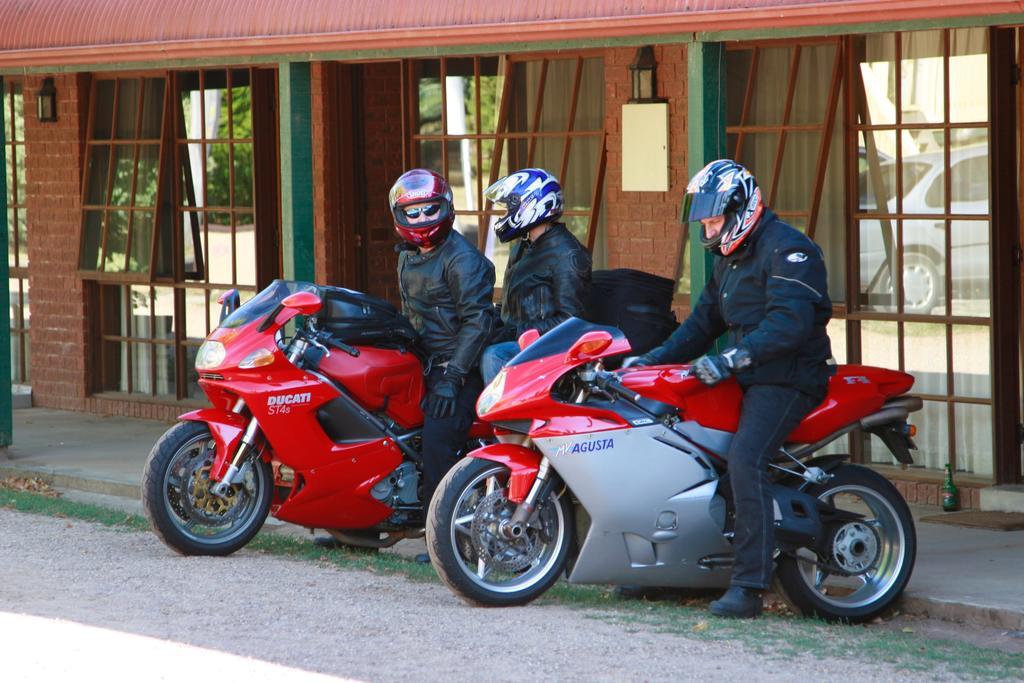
<point>76,597</point>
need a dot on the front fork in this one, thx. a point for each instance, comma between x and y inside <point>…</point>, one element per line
<point>248,445</point>
<point>515,526</point>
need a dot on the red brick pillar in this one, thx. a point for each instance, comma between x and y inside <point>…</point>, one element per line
<point>53,168</point>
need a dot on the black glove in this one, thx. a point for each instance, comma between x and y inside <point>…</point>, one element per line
<point>441,398</point>
<point>639,361</point>
<point>713,368</point>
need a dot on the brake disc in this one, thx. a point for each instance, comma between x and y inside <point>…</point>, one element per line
<point>496,551</point>
<point>204,505</point>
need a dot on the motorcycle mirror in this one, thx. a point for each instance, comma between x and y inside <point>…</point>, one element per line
<point>306,303</point>
<point>528,337</point>
<point>589,346</point>
<point>229,302</point>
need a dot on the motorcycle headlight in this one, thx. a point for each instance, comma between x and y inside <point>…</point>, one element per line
<point>257,359</point>
<point>491,395</point>
<point>211,354</point>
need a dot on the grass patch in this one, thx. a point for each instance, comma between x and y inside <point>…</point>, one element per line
<point>774,636</point>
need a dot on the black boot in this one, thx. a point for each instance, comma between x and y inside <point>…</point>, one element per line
<point>738,603</point>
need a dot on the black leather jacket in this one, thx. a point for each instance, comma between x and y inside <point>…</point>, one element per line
<point>771,296</point>
<point>446,294</point>
<point>546,282</point>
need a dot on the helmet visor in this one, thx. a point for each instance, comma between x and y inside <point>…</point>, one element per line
<point>700,205</point>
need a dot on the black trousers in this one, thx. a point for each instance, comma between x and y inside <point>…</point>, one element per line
<point>444,437</point>
<point>769,414</point>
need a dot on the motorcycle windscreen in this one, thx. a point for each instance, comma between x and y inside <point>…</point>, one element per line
<point>560,339</point>
<point>266,301</point>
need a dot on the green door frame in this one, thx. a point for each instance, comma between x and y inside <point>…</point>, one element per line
<point>296,171</point>
<point>6,403</point>
<point>706,140</point>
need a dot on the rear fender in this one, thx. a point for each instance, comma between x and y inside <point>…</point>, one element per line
<point>226,428</point>
<point>522,462</point>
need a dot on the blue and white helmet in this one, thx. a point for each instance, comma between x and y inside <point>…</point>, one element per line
<point>531,196</point>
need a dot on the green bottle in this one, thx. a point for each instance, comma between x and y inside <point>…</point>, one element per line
<point>950,494</point>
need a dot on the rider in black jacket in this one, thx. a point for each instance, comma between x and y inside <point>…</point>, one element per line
<point>446,286</point>
<point>769,292</point>
<point>547,278</point>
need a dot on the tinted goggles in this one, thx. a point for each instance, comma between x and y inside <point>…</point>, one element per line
<point>429,210</point>
<point>700,205</point>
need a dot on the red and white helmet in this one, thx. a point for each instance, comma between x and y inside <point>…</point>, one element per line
<point>420,186</point>
<point>724,188</point>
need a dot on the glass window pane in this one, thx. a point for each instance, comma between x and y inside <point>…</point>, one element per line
<point>147,179</point>
<point>924,178</point>
<point>9,173</point>
<point>152,109</point>
<point>924,354</point>
<point>18,191</point>
<point>142,242</point>
<point>968,173</point>
<point>117,240</point>
<point>219,250</point>
<point>796,185</point>
<point>581,173</point>
<point>241,104</point>
<point>924,269</point>
<point>191,231</point>
<point>92,238</point>
<point>932,438</point>
<point>191,159</point>
<point>590,102</point>
<point>103,110</point>
<point>921,76</point>
<point>245,249</point>
<point>461,177</point>
<point>758,156</point>
<point>558,92</point>
<point>429,99</point>
<point>142,368</point>
<point>879,344</point>
<point>218,175</point>
<point>115,366</point>
<point>969,266</point>
<point>876,171</point>
<point>430,155</point>
<point>124,172</point>
<point>737,69</point>
<point>876,100</point>
<point>163,313</point>
<point>8,131</point>
<point>837,338</point>
<point>243,164</point>
<point>195,314</point>
<point>165,371</point>
<point>968,74</point>
<point>813,82</point>
<point>19,113</point>
<point>127,116</point>
<point>877,240</point>
<point>460,94</point>
<point>97,171</point>
<point>141,312</point>
<point>974,451</point>
<point>972,365</point>
<point>192,389</point>
<point>191,105</point>
<point>769,104</point>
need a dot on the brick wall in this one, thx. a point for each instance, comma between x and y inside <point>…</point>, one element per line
<point>930,493</point>
<point>643,227</point>
<point>58,303</point>
<point>383,164</point>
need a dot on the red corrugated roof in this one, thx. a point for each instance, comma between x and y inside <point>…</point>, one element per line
<point>41,32</point>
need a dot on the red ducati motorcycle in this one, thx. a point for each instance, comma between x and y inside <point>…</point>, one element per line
<point>320,428</point>
<point>619,478</point>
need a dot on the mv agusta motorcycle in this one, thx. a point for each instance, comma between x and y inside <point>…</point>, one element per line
<point>321,427</point>
<point>620,478</point>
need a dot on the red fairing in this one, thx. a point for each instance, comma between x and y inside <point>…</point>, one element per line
<point>522,462</point>
<point>854,392</point>
<point>226,429</point>
<point>381,379</point>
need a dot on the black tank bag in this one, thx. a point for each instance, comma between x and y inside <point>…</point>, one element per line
<point>360,319</point>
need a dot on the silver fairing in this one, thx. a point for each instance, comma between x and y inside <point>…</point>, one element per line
<point>653,508</point>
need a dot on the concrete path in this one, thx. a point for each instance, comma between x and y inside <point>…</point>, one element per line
<point>961,574</point>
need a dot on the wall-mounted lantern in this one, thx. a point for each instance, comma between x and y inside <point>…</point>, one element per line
<point>46,102</point>
<point>644,74</point>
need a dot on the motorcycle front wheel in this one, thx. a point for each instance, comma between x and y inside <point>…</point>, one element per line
<point>863,565</point>
<point>471,555</point>
<point>184,512</point>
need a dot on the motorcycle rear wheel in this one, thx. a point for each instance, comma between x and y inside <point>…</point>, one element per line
<point>869,562</point>
<point>178,502</point>
<point>479,565</point>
